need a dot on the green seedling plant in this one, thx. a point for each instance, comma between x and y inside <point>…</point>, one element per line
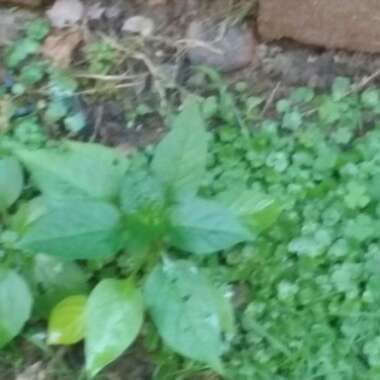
<point>86,204</point>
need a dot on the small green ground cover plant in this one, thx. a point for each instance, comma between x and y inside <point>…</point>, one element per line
<point>312,275</point>
<point>249,237</point>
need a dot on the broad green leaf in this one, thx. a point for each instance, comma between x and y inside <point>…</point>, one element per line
<point>203,227</point>
<point>28,212</point>
<point>180,158</point>
<point>67,321</point>
<point>75,229</point>
<point>78,169</point>
<point>15,305</point>
<point>114,317</point>
<point>258,210</point>
<point>11,182</point>
<point>55,280</point>
<point>191,315</point>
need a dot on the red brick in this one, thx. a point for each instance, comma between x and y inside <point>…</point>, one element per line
<point>28,3</point>
<point>343,24</point>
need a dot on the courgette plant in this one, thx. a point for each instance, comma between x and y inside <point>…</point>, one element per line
<point>82,206</point>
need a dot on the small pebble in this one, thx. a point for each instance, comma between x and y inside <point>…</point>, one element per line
<point>139,25</point>
<point>229,50</point>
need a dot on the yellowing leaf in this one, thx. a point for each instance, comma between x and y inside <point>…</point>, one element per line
<point>66,322</point>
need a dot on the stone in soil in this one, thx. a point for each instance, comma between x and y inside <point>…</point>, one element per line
<point>227,50</point>
<point>351,25</point>
<point>65,13</point>
<point>139,25</point>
